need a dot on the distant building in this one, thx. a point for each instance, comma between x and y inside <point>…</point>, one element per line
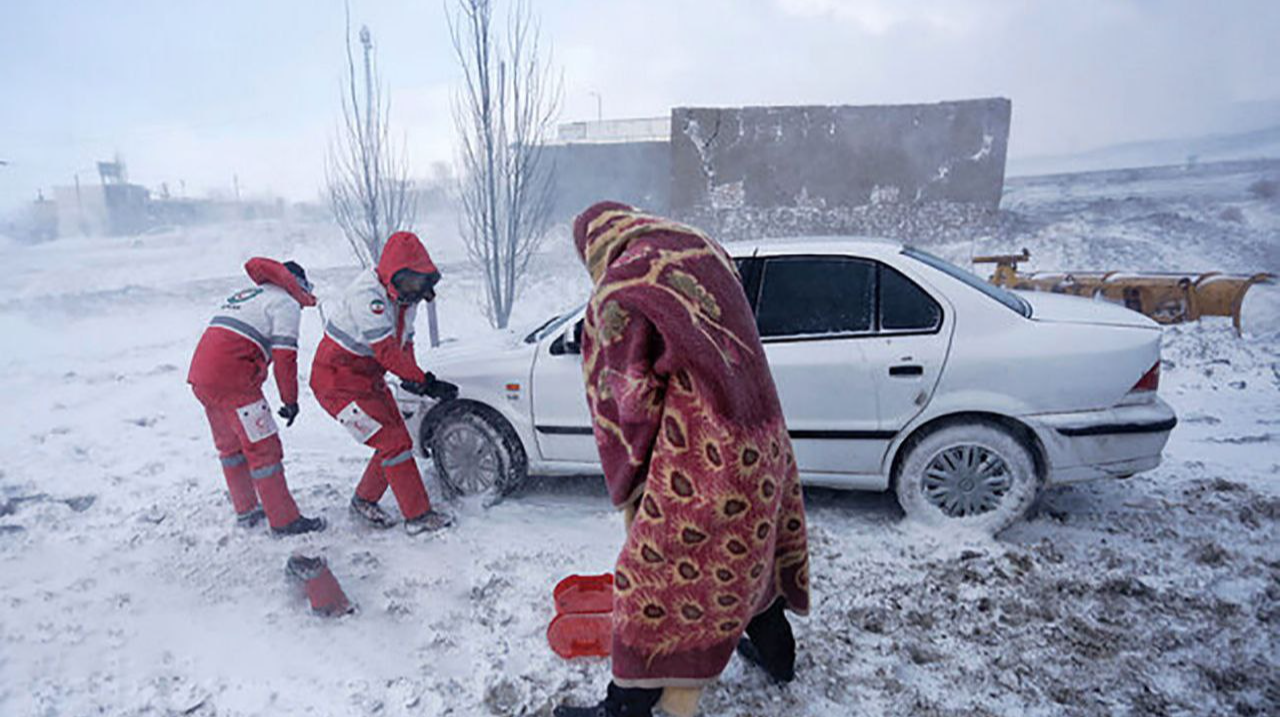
<point>101,210</point>
<point>647,129</point>
<point>116,207</point>
<point>626,160</point>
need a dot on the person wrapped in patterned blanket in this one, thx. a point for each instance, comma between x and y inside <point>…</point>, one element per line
<point>696,452</point>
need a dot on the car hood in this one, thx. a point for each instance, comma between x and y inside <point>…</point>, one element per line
<point>481,348</point>
<point>1067,309</point>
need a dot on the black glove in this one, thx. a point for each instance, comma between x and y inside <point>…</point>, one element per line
<point>288,412</point>
<point>432,388</point>
<point>417,388</point>
<point>441,390</point>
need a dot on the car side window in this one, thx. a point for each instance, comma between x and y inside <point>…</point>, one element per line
<point>810,295</point>
<point>904,306</point>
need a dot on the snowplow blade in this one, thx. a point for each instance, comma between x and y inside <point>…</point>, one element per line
<point>1223,294</point>
<point>1169,298</point>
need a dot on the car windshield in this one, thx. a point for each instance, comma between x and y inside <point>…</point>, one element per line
<point>1004,296</point>
<point>549,326</point>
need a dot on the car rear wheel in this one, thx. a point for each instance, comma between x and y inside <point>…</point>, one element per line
<point>475,450</point>
<point>974,474</point>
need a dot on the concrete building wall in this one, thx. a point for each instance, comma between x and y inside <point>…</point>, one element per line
<point>638,173</point>
<point>126,208</point>
<point>643,129</point>
<point>82,211</point>
<point>898,170</point>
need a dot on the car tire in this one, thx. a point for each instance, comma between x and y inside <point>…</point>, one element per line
<point>475,451</point>
<point>974,475</point>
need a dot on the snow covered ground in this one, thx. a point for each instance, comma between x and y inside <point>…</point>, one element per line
<point>127,590</point>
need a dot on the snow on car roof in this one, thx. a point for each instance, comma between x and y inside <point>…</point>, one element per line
<point>816,244</point>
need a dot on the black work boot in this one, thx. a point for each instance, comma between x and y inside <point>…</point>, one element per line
<point>301,525</point>
<point>371,513</point>
<point>769,643</point>
<point>250,518</point>
<point>619,702</point>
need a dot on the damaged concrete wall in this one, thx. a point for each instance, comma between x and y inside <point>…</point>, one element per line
<point>909,171</point>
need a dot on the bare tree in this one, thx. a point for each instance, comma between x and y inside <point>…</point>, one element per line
<point>505,112</point>
<point>367,176</point>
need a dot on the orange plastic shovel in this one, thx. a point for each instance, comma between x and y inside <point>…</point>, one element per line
<point>583,625</point>
<point>584,593</point>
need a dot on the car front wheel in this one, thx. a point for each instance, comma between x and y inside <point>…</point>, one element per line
<point>973,474</point>
<point>476,452</point>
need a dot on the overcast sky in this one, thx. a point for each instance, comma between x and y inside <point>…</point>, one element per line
<point>196,91</point>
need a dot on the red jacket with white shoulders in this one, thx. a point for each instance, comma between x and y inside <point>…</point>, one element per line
<point>254,327</point>
<point>368,332</point>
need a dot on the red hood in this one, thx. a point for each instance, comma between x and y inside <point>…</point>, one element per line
<point>403,251</point>
<point>270,271</point>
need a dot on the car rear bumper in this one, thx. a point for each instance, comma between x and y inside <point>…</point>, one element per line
<point>1115,442</point>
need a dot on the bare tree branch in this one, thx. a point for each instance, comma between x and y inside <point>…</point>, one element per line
<point>505,113</point>
<point>367,176</point>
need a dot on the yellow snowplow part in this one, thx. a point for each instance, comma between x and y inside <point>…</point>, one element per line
<point>1169,298</point>
<point>1223,294</point>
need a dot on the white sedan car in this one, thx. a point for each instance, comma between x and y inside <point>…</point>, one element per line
<point>896,369</point>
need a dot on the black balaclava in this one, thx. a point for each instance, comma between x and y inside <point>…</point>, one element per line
<point>300,274</point>
<point>414,286</point>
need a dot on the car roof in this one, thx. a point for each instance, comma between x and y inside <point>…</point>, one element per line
<point>855,245</point>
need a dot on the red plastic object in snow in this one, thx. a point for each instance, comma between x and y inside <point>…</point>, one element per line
<point>584,593</point>
<point>583,625</point>
<point>587,634</point>
<point>322,588</point>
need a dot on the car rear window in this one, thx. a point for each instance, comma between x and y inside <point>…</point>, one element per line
<point>1008,298</point>
<point>803,296</point>
<point>905,306</point>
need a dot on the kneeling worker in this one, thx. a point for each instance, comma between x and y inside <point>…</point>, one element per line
<point>369,333</point>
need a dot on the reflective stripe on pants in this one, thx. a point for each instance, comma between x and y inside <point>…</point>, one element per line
<point>392,462</point>
<point>243,461</point>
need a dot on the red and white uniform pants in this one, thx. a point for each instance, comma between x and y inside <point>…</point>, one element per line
<point>374,419</point>
<point>248,444</point>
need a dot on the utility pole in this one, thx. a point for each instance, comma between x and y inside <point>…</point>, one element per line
<point>366,41</point>
<point>80,209</point>
<point>235,182</point>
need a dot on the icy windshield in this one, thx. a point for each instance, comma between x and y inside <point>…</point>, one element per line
<point>550,325</point>
<point>1008,298</point>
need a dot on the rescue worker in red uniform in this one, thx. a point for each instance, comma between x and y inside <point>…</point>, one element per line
<point>255,327</point>
<point>369,333</point>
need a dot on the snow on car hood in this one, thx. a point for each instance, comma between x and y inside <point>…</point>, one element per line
<point>1064,308</point>
<point>477,348</point>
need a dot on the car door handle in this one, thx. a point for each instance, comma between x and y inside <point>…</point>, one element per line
<point>909,369</point>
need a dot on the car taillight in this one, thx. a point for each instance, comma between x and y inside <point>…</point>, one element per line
<point>1150,380</point>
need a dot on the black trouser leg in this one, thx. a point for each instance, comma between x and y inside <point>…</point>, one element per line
<point>771,645</point>
<point>618,702</point>
<point>634,701</point>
